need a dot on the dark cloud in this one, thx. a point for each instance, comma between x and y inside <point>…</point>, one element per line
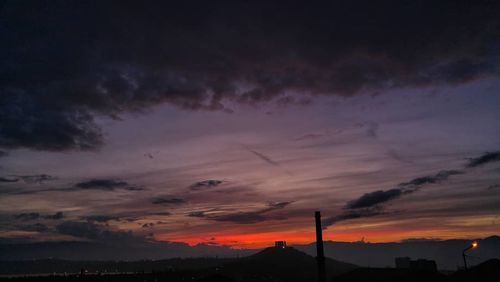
<point>484,159</point>
<point>36,178</point>
<point>148,225</point>
<point>101,184</point>
<point>59,69</point>
<point>90,230</point>
<point>57,215</point>
<point>245,217</point>
<point>167,200</point>
<point>494,186</point>
<point>9,179</point>
<point>197,214</point>
<point>241,217</point>
<point>353,214</point>
<point>161,213</point>
<point>3,154</point>
<point>100,218</point>
<point>440,176</point>
<point>206,184</point>
<point>37,227</point>
<point>371,204</point>
<point>374,198</point>
<point>36,215</point>
<point>382,196</point>
<point>134,188</point>
<point>94,184</point>
<point>27,216</point>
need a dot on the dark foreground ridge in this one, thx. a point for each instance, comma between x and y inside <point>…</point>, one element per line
<point>488,271</point>
<point>271,264</point>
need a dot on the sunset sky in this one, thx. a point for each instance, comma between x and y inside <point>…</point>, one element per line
<point>231,123</point>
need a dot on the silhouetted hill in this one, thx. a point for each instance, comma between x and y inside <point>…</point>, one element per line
<point>289,264</point>
<point>446,253</point>
<point>484,272</point>
<point>271,264</point>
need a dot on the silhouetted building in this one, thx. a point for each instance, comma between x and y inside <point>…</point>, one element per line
<point>403,262</point>
<point>280,244</point>
<point>419,264</point>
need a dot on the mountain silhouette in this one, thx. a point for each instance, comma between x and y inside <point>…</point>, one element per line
<point>287,264</point>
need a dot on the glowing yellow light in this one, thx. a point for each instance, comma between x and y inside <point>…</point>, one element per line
<point>474,244</point>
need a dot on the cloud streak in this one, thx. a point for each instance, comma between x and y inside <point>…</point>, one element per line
<point>484,159</point>
<point>167,201</point>
<point>36,215</point>
<point>104,185</point>
<point>27,216</point>
<point>206,184</point>
<point>245,217</point>
<point>371,204</point>
<point>29,179</point>
<point>374,198</point>
<point>264,157</point>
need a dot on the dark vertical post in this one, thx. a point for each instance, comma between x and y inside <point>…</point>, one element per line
<point>465,261</point>
<point>320,257</point>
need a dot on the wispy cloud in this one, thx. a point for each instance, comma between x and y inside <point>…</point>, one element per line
<point>263,157</point>
<point>36,215</point>
<point>27,216</point>
<point>245,217</point>
<point>57,215</point>
<point>484,159</point>
<point>371,204</point>
<point>101,184</point>
<point>353,214</point>
<point>205,184</point>
<point>9,179</point>
<point>104,184</point>
<point>382,196</point>
<point>374,198</point>
<point>100,218</point>
<point>36,178</point>
<point>167,200</point>
<point>36,227</point>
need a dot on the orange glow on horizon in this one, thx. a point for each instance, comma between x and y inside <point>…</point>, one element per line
<point>250,241</point>
<point>267,239</point>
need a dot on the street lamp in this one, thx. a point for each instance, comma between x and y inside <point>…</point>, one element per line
<point>472,246</point>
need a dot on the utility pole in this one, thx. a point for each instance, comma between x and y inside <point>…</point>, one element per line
<point>320,254</point>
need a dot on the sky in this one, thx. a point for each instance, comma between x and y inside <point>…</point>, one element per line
<point>229,124</point>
